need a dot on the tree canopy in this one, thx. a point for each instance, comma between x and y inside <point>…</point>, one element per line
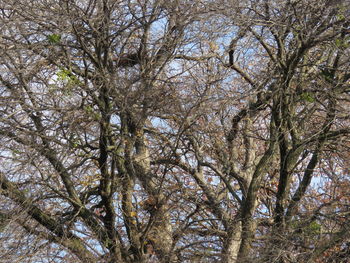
<point>174,131</point>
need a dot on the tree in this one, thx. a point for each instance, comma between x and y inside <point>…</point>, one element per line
<point>168,131</point>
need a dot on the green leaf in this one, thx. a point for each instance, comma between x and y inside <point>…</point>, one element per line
<point>314,228</point>
<point>307,96</point>
<point>88,109</point>
<point>338,42</point>
<point>66,76</point>
<point>341,43</point>
<point>54,38</point>
<point>340,17</point>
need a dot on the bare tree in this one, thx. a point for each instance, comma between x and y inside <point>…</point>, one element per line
<point>168,131</point>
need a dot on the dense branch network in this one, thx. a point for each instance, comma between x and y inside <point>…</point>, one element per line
<point>174,131</point>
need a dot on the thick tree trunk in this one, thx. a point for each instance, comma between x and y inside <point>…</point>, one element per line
<point>162,236</point>
<point>161,231</point>
<point>232,244</point>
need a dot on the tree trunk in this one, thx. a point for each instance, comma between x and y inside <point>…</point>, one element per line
<point>232,244</point>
